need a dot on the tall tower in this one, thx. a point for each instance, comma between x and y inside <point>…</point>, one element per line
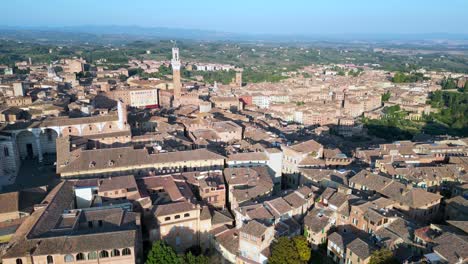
<point>238,79</point>
<point>122,114</point>
<point>175,62</point>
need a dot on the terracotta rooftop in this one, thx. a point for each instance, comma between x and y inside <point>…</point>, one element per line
<point>174,208</point>
<point>253,228</point>
<point>360,248</point>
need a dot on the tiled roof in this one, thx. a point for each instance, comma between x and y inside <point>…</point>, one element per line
<point>115,183</point>
<point>114,158</point>
<point>254,228</point>
<point>174,208</point>
<point>452,248</point>
<point>360,248</point>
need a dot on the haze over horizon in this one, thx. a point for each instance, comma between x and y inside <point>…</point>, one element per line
<point>299,17</point>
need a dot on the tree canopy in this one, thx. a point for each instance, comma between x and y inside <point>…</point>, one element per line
<point>162,253</point>
<point>386,96</point>
<point>448,83</point>
<point>383,256</point>
<point>400,77</point>
<point>290,251</point>
<point>302,248</point>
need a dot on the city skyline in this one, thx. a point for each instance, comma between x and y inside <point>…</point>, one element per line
<point>206,132</point>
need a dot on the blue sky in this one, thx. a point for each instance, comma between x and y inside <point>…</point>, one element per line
<point>249,16</point>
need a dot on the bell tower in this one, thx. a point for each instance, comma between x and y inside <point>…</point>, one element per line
<point>175,62</point>
<point>238,79</point>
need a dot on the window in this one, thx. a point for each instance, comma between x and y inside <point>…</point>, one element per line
<point>186,215</point>
<point>103,254</point>
<point>6,151</point>
<point>167,218</point>
<point>80,256</point>
<point>19,261</point>
<point>90,224</point>
<point>126,252</point>
<point>177,217</point>
<point>92,255</point>
<point>69,258</point>
<point>49,135</point>
<point>50,260</point>
<point>115,253</point>
<point>100,223</point>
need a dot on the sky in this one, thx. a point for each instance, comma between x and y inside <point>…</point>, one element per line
<point>307,17</point>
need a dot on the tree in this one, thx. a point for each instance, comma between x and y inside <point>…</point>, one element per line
<point>448,83</point>
<point>58,69</point>
<point>162,253</point>
<point>399,77</point>
<point>290,251</point>
<point>192,259</point>
<point>122,78</point>
<point>302,248</point>
<point>284,251</point>
<point>464,89</point>
<point>382,256</point>
<point>386,96</point>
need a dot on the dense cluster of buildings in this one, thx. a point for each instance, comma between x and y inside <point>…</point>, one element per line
<point>219,167</point>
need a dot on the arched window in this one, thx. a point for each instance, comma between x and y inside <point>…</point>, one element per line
<point>126,252</point>
<point>115,253</point>
<point>92,255</point>
<point>50,260</point>
<point>19,261</point>
<point>103,254</point>
<point>69,258</point>
<point>80,256</point>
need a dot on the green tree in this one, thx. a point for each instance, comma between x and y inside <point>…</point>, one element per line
<point>386,96</point>
<point>122,78</point>
<point>58,69</point>
<point>464,89</point>
<point>135,71</point>
<point>162,253</point>
<point>302,247</point>
<point>284,252</point>
<point>448,83</point>
<point>399,77</point>
<point>382,256</point>
<point>192,259</point>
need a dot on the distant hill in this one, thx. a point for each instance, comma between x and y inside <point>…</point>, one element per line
<point>106,34</point>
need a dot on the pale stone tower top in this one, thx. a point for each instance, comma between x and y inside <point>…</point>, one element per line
<point>175,59</point>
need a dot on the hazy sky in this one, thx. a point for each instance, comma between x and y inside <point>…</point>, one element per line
<point>248,16</point>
